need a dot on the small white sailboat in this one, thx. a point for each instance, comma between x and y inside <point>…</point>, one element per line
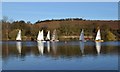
<point>40,47</point>
<point>19,47</point>
<point>98,47</point>
<point>98,37</point>
<point>40,36</point>
<point>82,36</point>
<point>48,36</point>
<point>54,36</point>
<point>19,35</point>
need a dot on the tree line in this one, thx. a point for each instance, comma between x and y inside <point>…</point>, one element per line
<point>65,27</point>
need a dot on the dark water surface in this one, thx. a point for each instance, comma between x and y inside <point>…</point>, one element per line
<point>72,55</point>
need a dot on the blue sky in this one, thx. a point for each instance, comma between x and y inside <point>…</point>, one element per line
<point>34,11</point>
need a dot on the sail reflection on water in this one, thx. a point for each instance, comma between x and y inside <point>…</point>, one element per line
<point>40,47</point>
<point>54,47</point>
<point>82,47</point>
<point>98,47</point>
<point>48,46</point>
<point>19,47</point>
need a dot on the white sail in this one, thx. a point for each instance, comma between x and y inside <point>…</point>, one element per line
<point>48,46</point>
<point>40,47</point>
<point>82,36</point>
<point>48,36</point>
<point>98,36</point>
<point>18,35</point>
<point>40,36</point>
<point>54,36</point>
<point>18,44</point>
<point>98,47</point>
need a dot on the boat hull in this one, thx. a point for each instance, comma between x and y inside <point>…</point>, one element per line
<point>99,41</point>
<point>82,40</point>
<point>54,40</point>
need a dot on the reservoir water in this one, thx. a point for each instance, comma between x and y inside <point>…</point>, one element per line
<point>71,55</point>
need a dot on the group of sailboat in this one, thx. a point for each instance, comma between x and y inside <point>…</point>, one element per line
<point>54,37</point>
<point>97,39</point>
<point>40,36</point>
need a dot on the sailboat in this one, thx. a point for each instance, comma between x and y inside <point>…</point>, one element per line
<point>54,36</point>
<point>82,36</point>
<point>40,36</point>
<point>19,35</point>
<point>48,36</point>
<point>98,37</point>
<point>98,47</point>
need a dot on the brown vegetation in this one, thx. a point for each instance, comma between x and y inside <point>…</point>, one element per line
<point>65,27</point>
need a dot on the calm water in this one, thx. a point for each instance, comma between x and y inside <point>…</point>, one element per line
<point>73,55</point>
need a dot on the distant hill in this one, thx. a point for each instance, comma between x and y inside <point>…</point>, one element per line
<point>65,27</point>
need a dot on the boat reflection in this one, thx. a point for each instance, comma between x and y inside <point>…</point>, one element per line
<point>19,47</point>
<point>82,48</point>
<point>98,47</point>
<point>54,47</point>
<point>40,47</point>
<point>48,46</point>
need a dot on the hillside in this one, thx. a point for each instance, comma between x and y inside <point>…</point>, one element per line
<point>65,27</point>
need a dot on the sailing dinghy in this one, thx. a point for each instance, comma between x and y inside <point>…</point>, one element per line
<point>48,36</point>
<point>54,36</point>
<point>40,36</point>
<point>18,38</point>
<point>98,37</point>
<point>82,36</point>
